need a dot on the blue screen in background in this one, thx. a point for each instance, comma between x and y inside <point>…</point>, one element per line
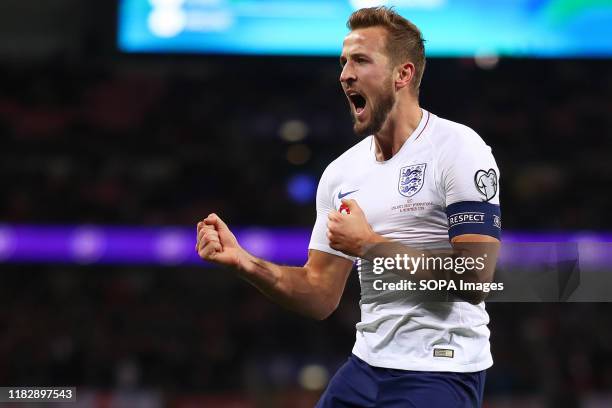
<point>451,28</point>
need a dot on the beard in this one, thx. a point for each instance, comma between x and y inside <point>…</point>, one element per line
<point>379,110</point>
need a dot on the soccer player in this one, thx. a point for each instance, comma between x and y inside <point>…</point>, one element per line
<point>414,180</point>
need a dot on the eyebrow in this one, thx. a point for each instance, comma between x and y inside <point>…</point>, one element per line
<point>355,55</point>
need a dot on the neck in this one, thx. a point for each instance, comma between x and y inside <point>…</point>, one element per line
<point>402,121</point>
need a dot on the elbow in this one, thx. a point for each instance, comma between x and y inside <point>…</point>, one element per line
<point>473,297</point>
<point>325,310</point>
<point>477,297</point>
<point>323,316</point>
<point>320,316</point>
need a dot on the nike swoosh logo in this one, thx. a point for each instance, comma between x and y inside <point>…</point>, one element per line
<point>341,196</point>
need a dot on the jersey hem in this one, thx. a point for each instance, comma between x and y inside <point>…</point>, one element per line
<point>416,366</point>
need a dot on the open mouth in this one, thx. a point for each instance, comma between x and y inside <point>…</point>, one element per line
<point>358,101</point>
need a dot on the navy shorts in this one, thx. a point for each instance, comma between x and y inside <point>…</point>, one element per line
<point>358,384</point>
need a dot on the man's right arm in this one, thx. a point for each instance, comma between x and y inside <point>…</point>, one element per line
<point>313,290</point>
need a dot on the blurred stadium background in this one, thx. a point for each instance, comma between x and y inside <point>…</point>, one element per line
<point>93,137</point>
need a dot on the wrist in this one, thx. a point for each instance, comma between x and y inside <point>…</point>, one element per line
<point>246,263</point>
<point>372,239</point>
<point>257,271</point>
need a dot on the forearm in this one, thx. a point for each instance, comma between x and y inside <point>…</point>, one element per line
<point>313,290</point>
<point>403,260</point>
<point>300,289</point>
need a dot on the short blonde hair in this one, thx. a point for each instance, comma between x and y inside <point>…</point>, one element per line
<point>404,39</point>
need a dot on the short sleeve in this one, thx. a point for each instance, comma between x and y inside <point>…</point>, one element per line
<point>470,181</point>
<point>325,204</point>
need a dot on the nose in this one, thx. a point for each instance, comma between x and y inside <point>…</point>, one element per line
<point>347,76</point>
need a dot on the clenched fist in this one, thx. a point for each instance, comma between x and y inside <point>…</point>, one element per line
<point>350,233</point>
<point>216,243</point>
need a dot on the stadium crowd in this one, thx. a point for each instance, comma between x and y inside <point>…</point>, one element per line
<point>166,142</point>
<point>194,331</point>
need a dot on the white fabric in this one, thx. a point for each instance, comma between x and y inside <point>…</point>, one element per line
<point>396,331</point>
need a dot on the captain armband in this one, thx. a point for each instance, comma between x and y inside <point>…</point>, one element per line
<point>474,217</point>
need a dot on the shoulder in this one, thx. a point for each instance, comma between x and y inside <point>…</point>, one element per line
<point>455,144</point>
<point>448,136</point>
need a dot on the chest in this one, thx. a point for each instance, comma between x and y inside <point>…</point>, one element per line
<point>393,195</point>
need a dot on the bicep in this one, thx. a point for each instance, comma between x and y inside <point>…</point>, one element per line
<point>483,249</point>
<point>329,272</point>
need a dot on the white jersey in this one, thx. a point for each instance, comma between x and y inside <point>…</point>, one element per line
<point>406,199</point>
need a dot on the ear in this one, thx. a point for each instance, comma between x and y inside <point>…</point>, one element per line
<point>404,75</point>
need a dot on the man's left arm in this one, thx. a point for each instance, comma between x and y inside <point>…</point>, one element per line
<point>476,247</point>
<point>352,234</point>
